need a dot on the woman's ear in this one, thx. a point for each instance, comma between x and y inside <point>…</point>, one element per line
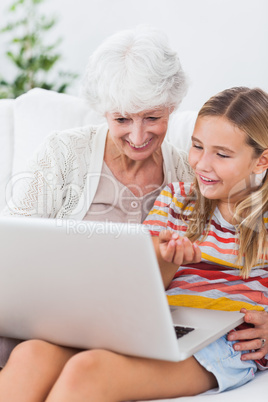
<point>262,163</point>
<point>171,109</point>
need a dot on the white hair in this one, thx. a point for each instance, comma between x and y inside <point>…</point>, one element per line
<point>132,71</point>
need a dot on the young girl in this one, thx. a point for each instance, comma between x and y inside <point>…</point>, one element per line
<point>223,215</point>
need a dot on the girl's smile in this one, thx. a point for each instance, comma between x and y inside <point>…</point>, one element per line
<point>206,180</point>
<point>222,160</point>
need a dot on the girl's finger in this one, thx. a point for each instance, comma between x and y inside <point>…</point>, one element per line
<point>188,251</point>
<point>197,253</point>
<point>167,250</point>
<point>179,252</point>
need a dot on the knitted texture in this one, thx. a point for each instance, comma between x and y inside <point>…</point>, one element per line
<point>55,181</point>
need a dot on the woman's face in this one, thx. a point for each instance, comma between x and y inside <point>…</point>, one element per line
<point>138,135</point>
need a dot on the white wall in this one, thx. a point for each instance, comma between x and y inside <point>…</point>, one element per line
<point>221,43</point>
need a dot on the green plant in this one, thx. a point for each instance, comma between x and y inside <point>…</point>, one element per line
<point>27,51</point>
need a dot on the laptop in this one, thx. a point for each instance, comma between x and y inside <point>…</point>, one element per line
<point>95,285</point>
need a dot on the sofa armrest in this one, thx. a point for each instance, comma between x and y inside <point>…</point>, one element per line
<point>6,144</point>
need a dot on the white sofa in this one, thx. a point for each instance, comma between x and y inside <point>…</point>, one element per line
<point>25,122</point>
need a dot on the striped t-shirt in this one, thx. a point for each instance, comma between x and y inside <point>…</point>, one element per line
<point>215,282</point>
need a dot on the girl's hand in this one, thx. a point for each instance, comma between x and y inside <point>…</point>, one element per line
<point>177,249</point>
<point>253,339</point>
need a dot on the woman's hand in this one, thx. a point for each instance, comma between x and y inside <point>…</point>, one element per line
<point>177,249</point>
<point>253,339</point>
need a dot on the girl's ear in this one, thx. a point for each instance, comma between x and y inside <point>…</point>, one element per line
<point>262,163</point>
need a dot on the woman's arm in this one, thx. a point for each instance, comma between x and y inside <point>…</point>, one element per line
<point>254,339</point>
<point>172,251</point>
<point>37,191</point>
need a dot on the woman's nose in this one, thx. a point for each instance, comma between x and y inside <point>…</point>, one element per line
<point>137,135</point>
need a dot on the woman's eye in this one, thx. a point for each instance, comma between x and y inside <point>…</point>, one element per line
<point>121,119</point>
<point>152,118</point>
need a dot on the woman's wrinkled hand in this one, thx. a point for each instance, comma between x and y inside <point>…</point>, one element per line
<point>177,249</point>
<point>255,339</point>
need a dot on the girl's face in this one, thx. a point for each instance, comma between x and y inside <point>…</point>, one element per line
<point>138,135</point>
<point>221,159</point>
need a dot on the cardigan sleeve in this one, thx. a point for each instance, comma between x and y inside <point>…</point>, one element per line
<point>54,182</point>
<point>37,191</point>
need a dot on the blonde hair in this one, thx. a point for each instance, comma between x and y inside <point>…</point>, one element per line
<point>246,109</point>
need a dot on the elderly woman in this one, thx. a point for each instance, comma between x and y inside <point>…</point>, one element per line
<point>111,172</point>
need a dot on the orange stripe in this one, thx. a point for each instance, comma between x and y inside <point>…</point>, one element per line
<point>222,239</point>
<point>160,204</point>
<point>241,289</point>
<point>221,250</point>
<point>154,223</point>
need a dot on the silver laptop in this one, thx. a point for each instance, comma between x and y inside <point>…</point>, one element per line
<point>95,285</point>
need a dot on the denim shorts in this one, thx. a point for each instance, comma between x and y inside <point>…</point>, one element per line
<point>225,363</point>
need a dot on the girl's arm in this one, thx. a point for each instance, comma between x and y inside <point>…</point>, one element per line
<point>251,338</point>
<point>172,251</point>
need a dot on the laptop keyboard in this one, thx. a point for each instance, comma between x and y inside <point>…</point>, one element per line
<point>181,331</point>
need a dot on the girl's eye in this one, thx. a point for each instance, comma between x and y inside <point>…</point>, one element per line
<point>197,146</point>
<point>223,156</point>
